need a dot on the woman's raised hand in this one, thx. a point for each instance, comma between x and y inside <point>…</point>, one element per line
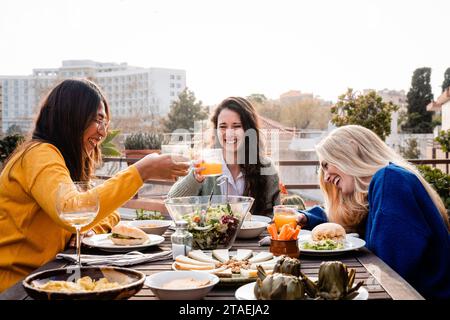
<point>163,167</point>
<point>198,168</point>
<point>302,220</point>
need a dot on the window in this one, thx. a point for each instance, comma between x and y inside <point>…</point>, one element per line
<point>172,85</point>
<point>178,77</point>
<point>172,77</point>
<point>172,94</point>
<point>178,85</point>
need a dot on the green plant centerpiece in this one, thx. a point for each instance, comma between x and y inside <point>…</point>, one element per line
<point>142,214</point>
<point>138,145</point>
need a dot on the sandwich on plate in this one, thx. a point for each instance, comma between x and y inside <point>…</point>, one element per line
<point>326,236</point>
<point>124,235</point>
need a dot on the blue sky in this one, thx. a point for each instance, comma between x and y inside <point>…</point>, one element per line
<point>237,47</point>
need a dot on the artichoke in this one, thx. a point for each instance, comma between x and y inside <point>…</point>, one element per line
<point>278,286</point>
<point>335,282</point>
<point>286,265</point>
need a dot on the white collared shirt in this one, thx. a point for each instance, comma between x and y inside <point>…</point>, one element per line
<point>235,188</point>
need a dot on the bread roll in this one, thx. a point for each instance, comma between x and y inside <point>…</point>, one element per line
<point>128,235</point>
<point>328,231</point>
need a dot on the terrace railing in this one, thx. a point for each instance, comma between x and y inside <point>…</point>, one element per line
<point>313,163</point>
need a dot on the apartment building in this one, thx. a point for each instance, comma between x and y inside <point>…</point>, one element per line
<point>442,105</point>
<point>130,90</point>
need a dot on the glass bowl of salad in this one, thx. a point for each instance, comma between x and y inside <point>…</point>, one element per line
<point>214,223</point>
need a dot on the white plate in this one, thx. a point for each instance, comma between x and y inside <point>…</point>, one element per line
<point>350,244</point>
<point>103,242</point>
<point>157,280</point>
<point>234,279</point>
<point>246,292</point>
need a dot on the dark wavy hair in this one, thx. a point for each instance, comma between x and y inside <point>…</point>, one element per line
<point>66,112</point>
<point>255,183</point>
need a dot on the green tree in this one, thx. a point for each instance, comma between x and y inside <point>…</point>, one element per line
<point>13,130</point>
<point>268,109</point>
<point>443,139</point>
<point>184,112</point>
<point>8,144</point>
<point>419,120</point>
<point>368,110</point>
<point>305,114</point>
<point>257,97</point>
<point>446,82</point>
<point>411,151</point>
<point>439,180</point>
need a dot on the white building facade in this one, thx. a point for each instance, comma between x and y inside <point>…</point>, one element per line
<point>130,90</point>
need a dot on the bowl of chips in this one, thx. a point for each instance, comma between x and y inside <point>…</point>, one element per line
<point>86,283</point>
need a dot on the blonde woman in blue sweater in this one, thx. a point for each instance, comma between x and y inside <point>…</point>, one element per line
<point>370,189</point>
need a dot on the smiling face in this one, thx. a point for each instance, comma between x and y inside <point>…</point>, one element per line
<point>342,181</point>
<point>96,131</point>
<point>229,130</point>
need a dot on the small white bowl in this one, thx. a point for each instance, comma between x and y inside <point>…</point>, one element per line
<point>156,282</point>
<point>151,226</point>
<point>251,229</point>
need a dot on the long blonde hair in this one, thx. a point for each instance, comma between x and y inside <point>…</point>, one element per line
<point>359,152</point>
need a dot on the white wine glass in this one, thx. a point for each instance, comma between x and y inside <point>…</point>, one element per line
<point>77,204</point>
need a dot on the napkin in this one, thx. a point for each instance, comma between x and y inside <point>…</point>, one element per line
<point>127,259</point>
<point>264,241</point>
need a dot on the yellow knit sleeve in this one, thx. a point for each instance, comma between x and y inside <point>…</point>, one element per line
<point>44,168</point>
<point>107,223</point>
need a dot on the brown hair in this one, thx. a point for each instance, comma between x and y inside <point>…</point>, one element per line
<point>66,112</point>
<point>255,183</point>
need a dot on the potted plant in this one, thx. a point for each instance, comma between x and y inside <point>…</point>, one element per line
<point>138,145</point>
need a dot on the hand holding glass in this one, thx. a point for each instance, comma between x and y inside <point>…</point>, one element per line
<point>77,204</point>
<point>211,160</point>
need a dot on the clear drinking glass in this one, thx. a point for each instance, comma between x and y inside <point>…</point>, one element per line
<point>77,204</point>
<point>285,214</point>
<point>211,160</point>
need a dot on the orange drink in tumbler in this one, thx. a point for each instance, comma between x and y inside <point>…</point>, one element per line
<point>284,214</point>
<point>211,168</point>
<point>211,161</point>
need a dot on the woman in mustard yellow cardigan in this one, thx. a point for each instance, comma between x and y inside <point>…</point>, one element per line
<point>64,147</point>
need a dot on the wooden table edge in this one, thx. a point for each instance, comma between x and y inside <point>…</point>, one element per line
<point>390,280</point>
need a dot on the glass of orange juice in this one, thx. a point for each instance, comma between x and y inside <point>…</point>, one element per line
<point>285,214</point>
<point>211,160</point>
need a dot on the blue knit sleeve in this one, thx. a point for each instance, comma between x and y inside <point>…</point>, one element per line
<point>316,215</point>
<point>396,230</point>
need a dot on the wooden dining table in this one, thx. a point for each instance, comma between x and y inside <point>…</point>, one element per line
<point>379,279</point>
